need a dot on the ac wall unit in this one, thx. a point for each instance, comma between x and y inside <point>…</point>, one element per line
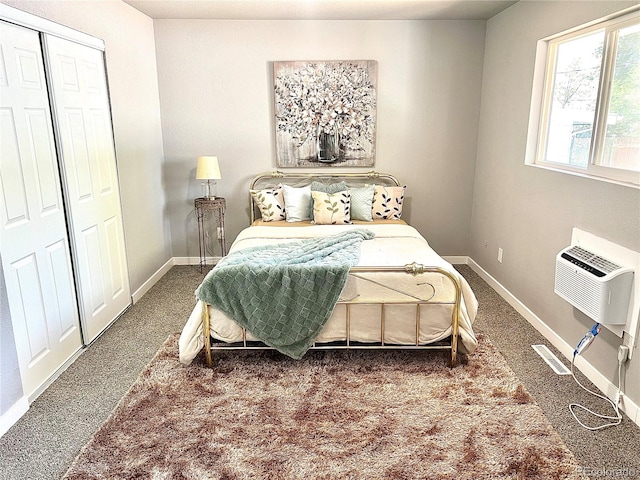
<point>596,286</point>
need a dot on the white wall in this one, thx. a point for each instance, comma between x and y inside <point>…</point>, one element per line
<point>216,93</point>
<point>133,85</point>
<point>530,212</point>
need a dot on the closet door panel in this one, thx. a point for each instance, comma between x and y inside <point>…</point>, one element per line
<point>14,194</point>
<point>76,156</point>
<point>92,270</point>
<point>64,299</point>
<point>29,307</point>
<point>33,231</point>
<point>115,241</point>
<point>38,125</point>
<point>81,108</point>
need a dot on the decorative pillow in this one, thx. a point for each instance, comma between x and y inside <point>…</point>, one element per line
<point>387,202</point>
<point>330,188</point>
<point>331,208</point>
<point>362,203</point>
<point>327,188</point>
<point>298,203</point>
<point>270,201</point>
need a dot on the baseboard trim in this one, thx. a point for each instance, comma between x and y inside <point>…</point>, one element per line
<point>17,410</point>
<point>457,259</point>
<point>9,418</point>
<point>146,286</point>
<point>598,379</point>
<point>194,260</point>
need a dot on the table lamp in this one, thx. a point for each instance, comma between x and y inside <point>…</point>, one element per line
<point>208,169</point>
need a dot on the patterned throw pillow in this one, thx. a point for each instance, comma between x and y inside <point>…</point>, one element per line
<point>331,208</point>
<point>270,201</point>
<point>298,203</point>
<point>330,188</point>
<point>362,203</point>
<point>387,202</point>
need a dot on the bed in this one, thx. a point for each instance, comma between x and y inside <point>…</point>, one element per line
<point>397,293</point>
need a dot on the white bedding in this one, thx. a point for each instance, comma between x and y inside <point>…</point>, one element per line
<point>394,245</point>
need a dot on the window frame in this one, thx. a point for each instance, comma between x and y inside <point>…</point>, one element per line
<point>544,80</point>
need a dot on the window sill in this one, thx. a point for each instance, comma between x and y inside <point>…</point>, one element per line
<point>585,175</point>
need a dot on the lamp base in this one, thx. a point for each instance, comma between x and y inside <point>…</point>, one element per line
<point>207,190</point>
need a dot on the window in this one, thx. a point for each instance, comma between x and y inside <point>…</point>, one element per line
<point>589,119</point>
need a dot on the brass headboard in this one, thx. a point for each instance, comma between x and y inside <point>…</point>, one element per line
<point>299,179</point>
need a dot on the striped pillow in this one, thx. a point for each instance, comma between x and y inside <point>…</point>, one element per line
<point>362,203</point>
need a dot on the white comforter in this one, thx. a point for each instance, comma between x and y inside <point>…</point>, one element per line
<point>394,245</point>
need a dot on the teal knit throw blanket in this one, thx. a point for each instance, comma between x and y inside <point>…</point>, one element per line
<point>284,294</point>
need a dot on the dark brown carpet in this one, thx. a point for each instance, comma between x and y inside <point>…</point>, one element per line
<point>331,415</point>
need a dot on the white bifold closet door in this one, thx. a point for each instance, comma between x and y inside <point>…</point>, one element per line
<point>33,234</point>
<point>61,233</point>
<point>82,115</point>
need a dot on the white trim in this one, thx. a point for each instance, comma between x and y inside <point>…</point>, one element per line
<point>598,379</point>
<point>457,259</point>
<point>11,416</point>
<point>194,260</point>
<point>18,409</point>
<point>582,174</point>
<point>146,286</point>
<point>28,20</point>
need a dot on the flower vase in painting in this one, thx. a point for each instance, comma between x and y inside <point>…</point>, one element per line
<point>328,146</point>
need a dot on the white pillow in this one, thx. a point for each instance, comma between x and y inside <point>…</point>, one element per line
<point>297,202</point>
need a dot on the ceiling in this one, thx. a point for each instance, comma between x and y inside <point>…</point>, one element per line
<point>322,9</point>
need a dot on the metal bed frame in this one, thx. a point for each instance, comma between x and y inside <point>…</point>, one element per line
<point>410,269</point>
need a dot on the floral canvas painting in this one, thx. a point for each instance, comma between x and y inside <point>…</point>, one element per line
<point>325,113</point>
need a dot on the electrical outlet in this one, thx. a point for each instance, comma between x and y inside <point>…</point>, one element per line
<point>500,254</point>
<point>623,353</point>
<point>627,341</point>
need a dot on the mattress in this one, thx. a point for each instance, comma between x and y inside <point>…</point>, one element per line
<point>403,295</point>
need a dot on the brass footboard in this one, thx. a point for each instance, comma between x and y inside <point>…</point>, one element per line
<point>412,269</point>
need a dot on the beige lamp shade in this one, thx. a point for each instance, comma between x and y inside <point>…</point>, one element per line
<point>208,168</point>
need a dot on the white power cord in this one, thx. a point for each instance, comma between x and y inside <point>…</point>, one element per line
<point>584,343</point>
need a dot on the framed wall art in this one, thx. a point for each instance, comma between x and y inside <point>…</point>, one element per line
<point>325,113</point>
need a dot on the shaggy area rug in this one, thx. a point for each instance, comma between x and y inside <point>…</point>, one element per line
<point>331,415</point>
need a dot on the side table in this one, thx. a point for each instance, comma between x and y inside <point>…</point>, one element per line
<point>217,206</point>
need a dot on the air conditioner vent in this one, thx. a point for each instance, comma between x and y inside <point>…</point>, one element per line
<point>592,259</point>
